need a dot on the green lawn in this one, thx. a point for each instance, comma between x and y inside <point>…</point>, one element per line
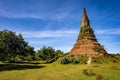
<point>56,71</point>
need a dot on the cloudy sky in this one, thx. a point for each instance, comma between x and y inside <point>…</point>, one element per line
<point>56,23</point>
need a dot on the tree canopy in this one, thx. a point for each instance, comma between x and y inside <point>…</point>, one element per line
<point>12,45</point>
<point>49,54</point>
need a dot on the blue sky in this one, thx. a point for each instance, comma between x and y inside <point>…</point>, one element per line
<point>56,23</point>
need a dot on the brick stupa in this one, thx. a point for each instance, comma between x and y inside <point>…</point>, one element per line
<point>87,42</point>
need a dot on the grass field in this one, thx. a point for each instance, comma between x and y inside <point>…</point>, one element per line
<point>57,71</point>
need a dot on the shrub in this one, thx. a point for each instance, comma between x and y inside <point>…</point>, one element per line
<point>10,59</point>
<point>71,59</point>
<point>76,60</point>
<point>91,73</point>
<point>106,59</point>
<point>83,59</point>
<point>64,60</point>
<point>96,60</point>
<point>14,59</point>
<point>88,72</point>
<point>99,77</point>
<point>18,59</point>
<point>98,48</point>
<point>48,54</point>
<point>28,58</point>
<point>85,71</point>
<point>115,68</point>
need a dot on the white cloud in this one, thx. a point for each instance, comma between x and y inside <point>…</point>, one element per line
<point>40,13</point>
<point>63,33</point>
<point>48,16</point>
<point>108,31</point>
<point>49,33</point>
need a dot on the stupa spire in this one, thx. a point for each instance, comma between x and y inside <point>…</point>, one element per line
<point>86,42</point>
<point>85,20</point>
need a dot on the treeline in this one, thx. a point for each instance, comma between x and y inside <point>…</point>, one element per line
<point>48,54</point>
<point>13,47</point>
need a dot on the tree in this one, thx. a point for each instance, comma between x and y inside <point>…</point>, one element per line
<point>59,53</point>
<point>12,45</point>
<point>29,50</point>
<point>46,53</point>
<point>30,53</point>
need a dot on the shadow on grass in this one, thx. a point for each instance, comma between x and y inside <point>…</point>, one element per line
<point>4,67</point>
<point>25,62</point>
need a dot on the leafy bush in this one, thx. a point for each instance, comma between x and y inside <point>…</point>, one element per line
<point>85,71</point>
<point>83,59</point>
<point>59,53</point>
<point>74,59</point>
<point>111,58</point>
<point>64,60</point>
<point>71,59</point>
<point>100,77</point>
<point>14,59</point>
<point>88,72</point>
<point>28,58</point>
<point>115,68</point>
<point>98,48</point>
<point>48,54</point>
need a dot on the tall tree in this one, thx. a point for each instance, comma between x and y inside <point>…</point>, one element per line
<point>46,53</point>
<point>12,45</point>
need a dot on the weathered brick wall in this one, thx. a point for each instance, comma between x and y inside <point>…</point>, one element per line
<point>85,47</point>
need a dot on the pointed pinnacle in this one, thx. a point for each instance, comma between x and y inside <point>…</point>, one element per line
<point>85,20</point>
<point>84,10</point>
